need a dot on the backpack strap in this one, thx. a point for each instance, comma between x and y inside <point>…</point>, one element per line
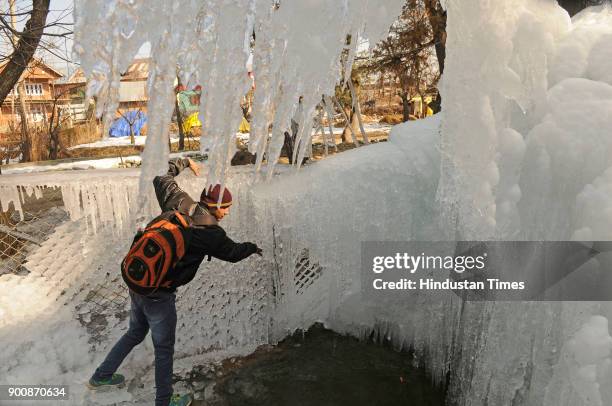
<point>181,218</point>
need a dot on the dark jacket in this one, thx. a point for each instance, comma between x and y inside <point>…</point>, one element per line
<point>206,237</point>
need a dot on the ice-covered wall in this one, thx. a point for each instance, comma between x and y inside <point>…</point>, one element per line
<point>527,138</point>
<point>73,292</point>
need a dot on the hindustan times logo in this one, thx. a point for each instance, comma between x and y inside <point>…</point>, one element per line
<point>414,263</point>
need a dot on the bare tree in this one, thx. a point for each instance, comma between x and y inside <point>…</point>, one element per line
<point>25,46</point>
<point>131,117</point>
<point>406,54</point>
<point>55,124</point>
<point>343,102</point>
<point>19,46</point>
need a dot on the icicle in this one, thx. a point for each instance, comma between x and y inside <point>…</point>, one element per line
<point>296,53</point>
<point>10,194</point>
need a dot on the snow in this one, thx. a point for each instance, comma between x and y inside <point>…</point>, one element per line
<point>113,142</point>
<point>84,164</point>
<point>105,163</point>
<point>141,140</point>
<point>522,152</point>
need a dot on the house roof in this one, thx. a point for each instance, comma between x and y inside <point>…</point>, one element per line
<point>138,70</point>
<point>78,76</point>
<point>38,70</point>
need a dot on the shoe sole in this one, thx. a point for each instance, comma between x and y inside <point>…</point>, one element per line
<point>190,402</point>
<point>103,387</point>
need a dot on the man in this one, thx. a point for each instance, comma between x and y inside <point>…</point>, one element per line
<point>157,311</point>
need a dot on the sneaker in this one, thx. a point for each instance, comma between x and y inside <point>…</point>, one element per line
<point>115,380</point>
<point>180,400</point>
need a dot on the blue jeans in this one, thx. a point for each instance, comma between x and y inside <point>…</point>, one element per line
<point>157,312</point>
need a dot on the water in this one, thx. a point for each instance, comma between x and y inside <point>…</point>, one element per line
<point>320,367</point>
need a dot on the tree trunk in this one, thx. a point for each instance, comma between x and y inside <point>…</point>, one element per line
<point>26,139</point>
<point>357,111</point>
<point>53,138</point>
<point>24,51</point>
<point>327,104</point>
<point>179,122</point>
<point>344,137</point>
<point>323,133</point>
<point>405,106</point>
<point>288,146</point>
<point>351,127</point>
<point>437,19</point>
<point>179,119</point>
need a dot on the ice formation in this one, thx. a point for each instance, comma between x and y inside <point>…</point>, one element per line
<point>294,54</point>
<point>523,151</point>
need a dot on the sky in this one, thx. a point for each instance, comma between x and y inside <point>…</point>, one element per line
<point>59,10</point>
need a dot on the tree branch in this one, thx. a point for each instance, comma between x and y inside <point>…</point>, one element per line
<point>28,42</point>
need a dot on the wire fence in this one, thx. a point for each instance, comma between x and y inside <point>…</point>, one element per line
<point>21,233</point>
<point>100,305</point>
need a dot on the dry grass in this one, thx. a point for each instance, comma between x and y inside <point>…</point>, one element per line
<point>392,119</point>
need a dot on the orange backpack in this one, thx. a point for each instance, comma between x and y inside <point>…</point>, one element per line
<point>155,251</point>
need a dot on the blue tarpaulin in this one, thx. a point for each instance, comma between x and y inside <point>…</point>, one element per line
<point>121,126</point>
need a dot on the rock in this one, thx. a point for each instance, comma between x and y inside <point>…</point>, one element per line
<point>243,158</point>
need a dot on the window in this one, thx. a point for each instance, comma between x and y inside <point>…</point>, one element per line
<point>33,89</point>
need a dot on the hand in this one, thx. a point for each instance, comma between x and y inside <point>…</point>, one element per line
<point>194,167</point>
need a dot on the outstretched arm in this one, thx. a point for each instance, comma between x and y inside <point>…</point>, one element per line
<point>169,194</point>
<point>213,241</point>
<point>231,251</point>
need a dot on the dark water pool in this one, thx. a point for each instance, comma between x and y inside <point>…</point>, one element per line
<point>322,368</point>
